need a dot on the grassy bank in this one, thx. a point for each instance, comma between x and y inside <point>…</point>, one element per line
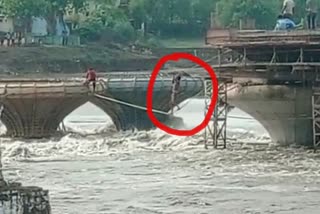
<point>182,42</point>
<point>46,59</point>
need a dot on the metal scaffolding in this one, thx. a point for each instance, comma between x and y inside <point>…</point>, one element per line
<point>316,117</point>
<point>215,133</point>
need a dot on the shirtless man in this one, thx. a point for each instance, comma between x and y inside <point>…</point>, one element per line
<point>288,8</point>
<point>175,90</point>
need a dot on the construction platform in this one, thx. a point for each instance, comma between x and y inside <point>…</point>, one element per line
<point>234,38</point>
<point>261,46</point>
<point>291,56</point>
<point>278,57</point>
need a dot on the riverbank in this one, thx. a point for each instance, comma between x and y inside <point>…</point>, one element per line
<point>45,60</point>
<point>57,59</point>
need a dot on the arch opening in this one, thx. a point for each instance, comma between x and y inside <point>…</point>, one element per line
<point>88,118</point>
<point>3,128</point>
<point>240,125</point>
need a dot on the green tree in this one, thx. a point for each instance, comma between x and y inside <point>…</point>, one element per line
<point>107,21</point>
<point>23,10</point>
<point>202,10</point>
<point>173,17</point>
<point>57,9</point>
<point>138,11</point>
<point>264,12</point>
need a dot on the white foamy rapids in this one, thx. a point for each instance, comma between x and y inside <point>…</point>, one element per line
<point>91,133</point>
<point>102,141</point>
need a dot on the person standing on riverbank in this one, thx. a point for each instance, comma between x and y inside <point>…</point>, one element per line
<point>2,39</point>
<point>312,10</point>
<point>65,38</point>
<point>8,38</point>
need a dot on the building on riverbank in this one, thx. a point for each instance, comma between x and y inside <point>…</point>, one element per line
<point>6,23</point>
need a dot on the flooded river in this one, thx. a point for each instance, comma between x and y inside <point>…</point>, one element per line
<point>152,172</point>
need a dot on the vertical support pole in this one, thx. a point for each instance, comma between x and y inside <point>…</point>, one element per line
<point>274,55</point>
<point>215,124</point>
<point>205,113</point>
<point>11,204</point>
<point>225,115</point>
<point>245,57</point>
<point>34,113</point>
<point>215,131</point>
<point>316,118</point>
<point>314,123</point>
<point>219,57</point>
<point>17,203</point>
<point>301,55</point>
<point>135,110</point>
<point>195,52</point>
<point>303,72</point>
<point>212,20</point>
<point>2,181</point>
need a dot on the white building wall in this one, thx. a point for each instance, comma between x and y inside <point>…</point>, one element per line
<point>6,24</point>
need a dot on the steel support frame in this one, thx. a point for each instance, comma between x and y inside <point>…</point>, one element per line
<point>215,133</point>
<point>316,118</point>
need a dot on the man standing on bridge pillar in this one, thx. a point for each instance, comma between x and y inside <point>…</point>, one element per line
<point>91,77</point>
<point>175,90</point>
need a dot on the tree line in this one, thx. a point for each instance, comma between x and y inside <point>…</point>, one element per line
<point>165,18</point>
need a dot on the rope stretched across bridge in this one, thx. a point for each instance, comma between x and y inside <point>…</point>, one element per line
<point>129,104</point>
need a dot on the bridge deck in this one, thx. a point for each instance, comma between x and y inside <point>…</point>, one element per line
<point>236,39</point>
<point>25,88</point>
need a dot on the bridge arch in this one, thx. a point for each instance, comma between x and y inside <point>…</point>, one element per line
<point>283,111</point>
<point>33,117</point>
<point>35,108</point>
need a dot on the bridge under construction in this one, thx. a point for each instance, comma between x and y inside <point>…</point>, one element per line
<point>279,77</point>
<point>273,76</point>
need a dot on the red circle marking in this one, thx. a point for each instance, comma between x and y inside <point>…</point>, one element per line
<point>156,70</point>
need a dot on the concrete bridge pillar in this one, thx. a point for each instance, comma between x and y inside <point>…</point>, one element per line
<point>37,118</point>
<point>284,111</point>
<point>35,109</point>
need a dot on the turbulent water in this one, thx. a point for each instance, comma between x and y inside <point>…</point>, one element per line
<point>152,172</point>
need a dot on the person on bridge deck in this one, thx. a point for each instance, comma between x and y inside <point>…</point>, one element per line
<point>288,8</point>
<point>91,77</point>
<point>312,10</point>
<point>286,24</point>
<point>175,90</point>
